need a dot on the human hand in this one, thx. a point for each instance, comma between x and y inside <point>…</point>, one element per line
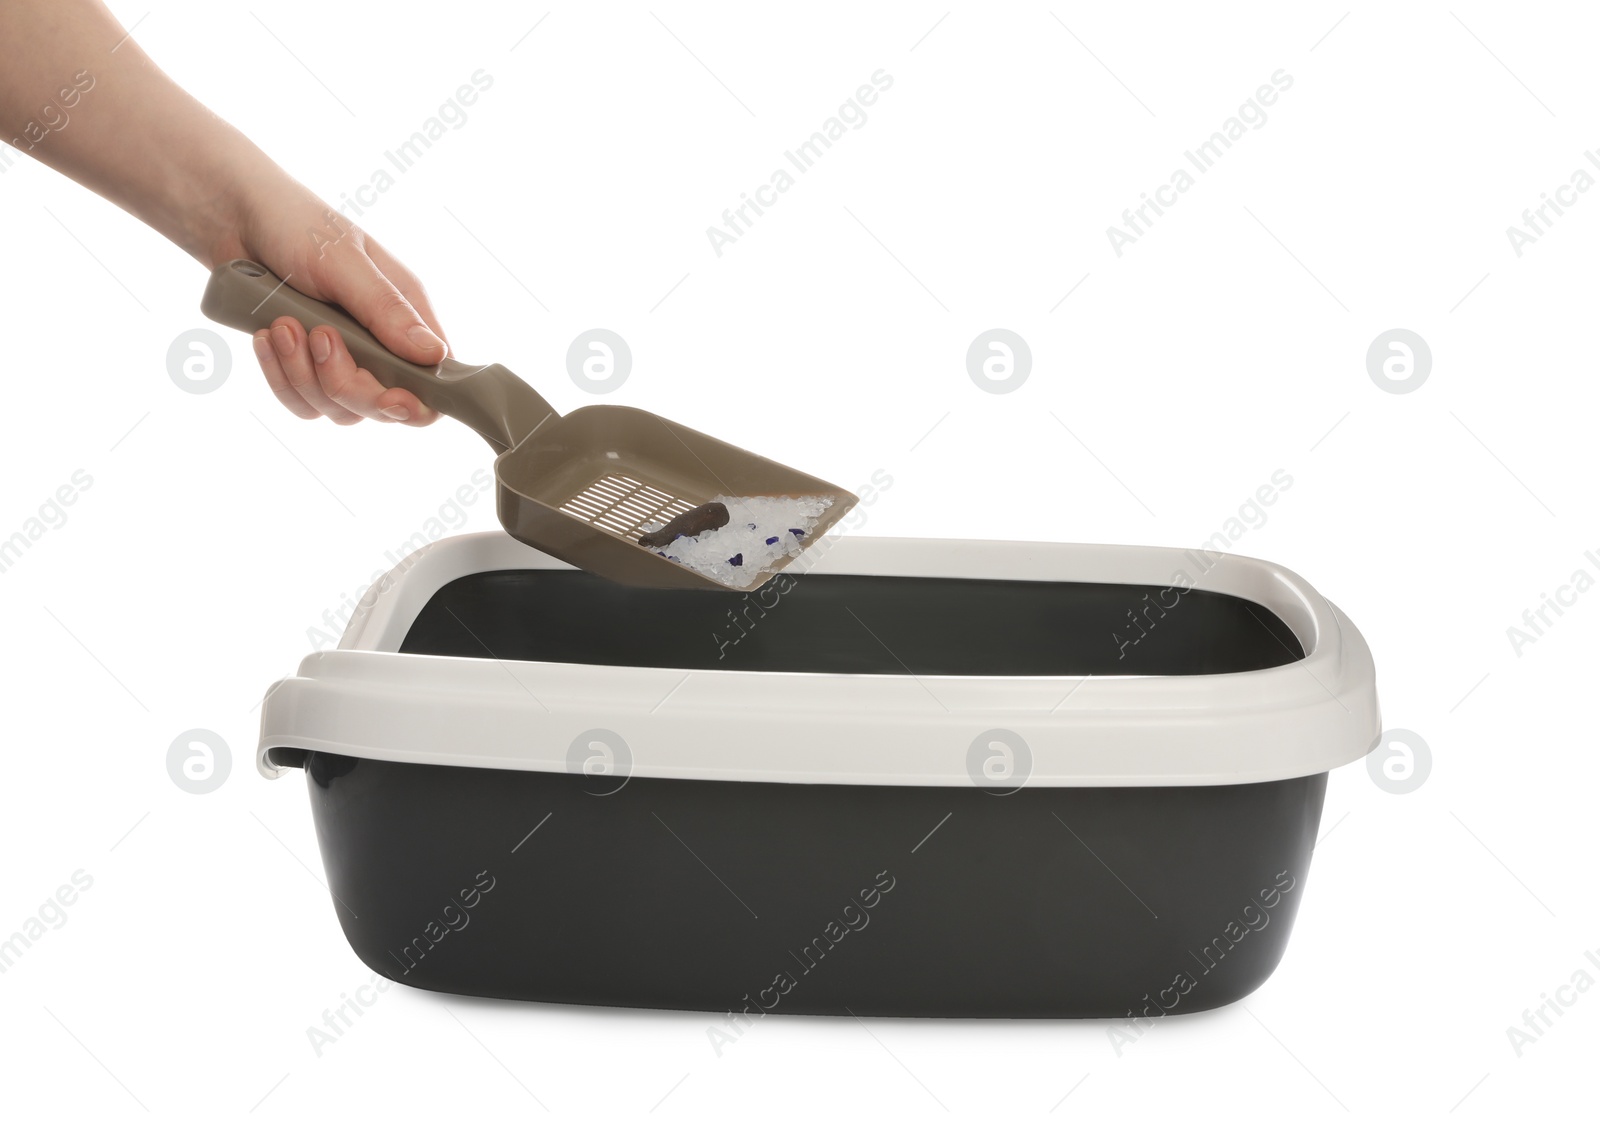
<point>168,160</point>
<point>325,256</point>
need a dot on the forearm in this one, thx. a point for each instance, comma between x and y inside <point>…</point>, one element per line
<point>113,121</point>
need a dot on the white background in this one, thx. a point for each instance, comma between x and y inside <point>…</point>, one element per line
<point>1227,343</point>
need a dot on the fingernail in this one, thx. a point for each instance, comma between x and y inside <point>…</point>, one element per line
<point>398,413</point>
<point>263,344</point>
<point>423,336</point>
<point>283,340</point>
<point>320,348</point>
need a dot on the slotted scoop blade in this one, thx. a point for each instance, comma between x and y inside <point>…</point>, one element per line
<point>578,487</point>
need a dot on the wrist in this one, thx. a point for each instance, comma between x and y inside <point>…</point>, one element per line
<point>218,204</point>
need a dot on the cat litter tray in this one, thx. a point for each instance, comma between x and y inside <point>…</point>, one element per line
<point>943,778</point>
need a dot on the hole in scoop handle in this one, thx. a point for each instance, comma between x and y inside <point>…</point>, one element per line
<point>501,407</point>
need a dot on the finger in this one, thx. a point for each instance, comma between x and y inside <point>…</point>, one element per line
<point>355,389</point>
<point>278,381</point>
<point>293,350</point>
<point>409,285</point>
<point>361,287</point>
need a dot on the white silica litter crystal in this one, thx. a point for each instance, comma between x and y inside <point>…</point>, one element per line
<point>761,532</point>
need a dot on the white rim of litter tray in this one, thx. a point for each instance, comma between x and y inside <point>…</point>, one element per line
<point>365,699</point>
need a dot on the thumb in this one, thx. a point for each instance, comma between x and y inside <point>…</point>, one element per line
<point>361,287</point>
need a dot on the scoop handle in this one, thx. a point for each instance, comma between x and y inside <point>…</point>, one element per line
<point>498,405</point>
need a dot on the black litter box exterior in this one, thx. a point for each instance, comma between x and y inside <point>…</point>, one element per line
<point>741,898</point>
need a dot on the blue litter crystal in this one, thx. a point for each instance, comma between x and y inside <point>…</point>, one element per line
<point>797,532</point>
<point>736,560</point>
<point>772,540</point>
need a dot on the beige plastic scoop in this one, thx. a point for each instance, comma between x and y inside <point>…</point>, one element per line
<point>577,487</point>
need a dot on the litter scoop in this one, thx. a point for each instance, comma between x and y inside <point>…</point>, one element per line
<point>580,487</point>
